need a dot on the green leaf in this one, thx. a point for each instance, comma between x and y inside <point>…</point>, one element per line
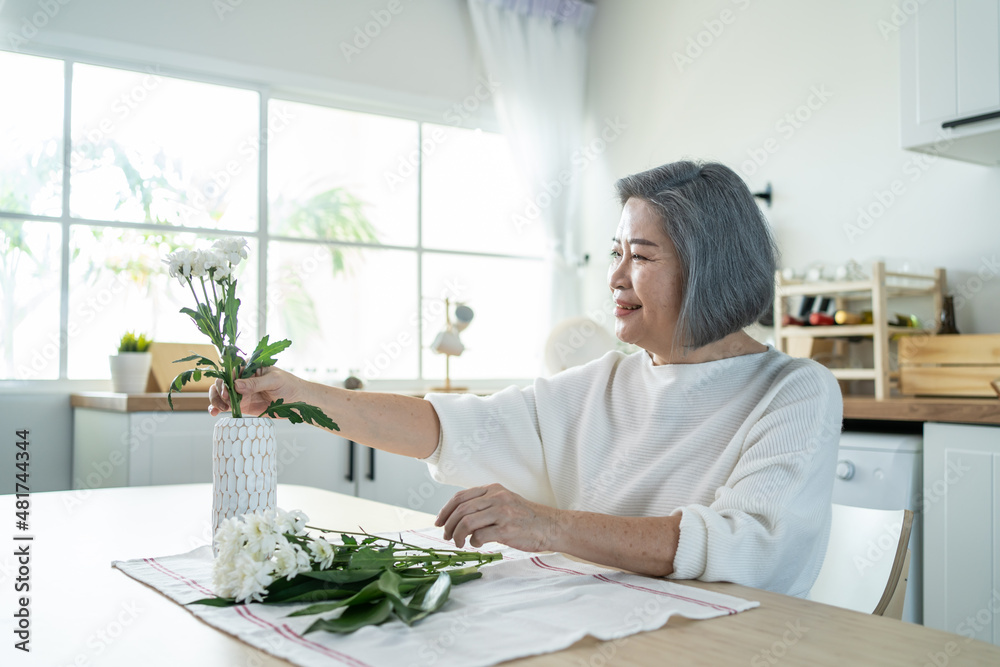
<point>355,618</point>
<point>370,592</point>
<point>202,361</point>
<point>232,307</point>
<point>263,356</point>
<point>215,602</point>
<point>343,576</point>
<point>298,412</point>
<point>182,379</point>
<point>426,600</point>
<point>369,558</point>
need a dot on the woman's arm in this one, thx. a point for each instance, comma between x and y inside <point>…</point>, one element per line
<point>492,513</point>
<point>393,423</point>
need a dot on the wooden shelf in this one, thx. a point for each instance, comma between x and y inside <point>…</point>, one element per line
<point>876,291</point>
<point>853,373</point>
<point>848,330</point>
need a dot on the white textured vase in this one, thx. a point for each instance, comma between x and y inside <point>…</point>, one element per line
<point>244,470</point>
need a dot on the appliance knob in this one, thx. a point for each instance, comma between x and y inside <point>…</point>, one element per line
<point>845,469</point>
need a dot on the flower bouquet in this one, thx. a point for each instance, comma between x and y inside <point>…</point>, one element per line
<point>269,557</point>
<point>216,317</point>
<point>244,448</point>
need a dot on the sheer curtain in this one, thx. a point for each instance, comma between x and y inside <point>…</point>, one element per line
<point>536,50</point>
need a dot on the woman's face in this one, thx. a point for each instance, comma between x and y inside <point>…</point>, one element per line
<point>645,277</point>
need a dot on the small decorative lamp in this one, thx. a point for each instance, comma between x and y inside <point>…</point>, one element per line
<point>447,341</point>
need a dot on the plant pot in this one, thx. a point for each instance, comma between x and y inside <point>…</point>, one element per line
<point>244,468</point>
<point>130,371</point>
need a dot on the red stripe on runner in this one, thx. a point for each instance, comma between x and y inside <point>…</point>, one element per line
<point>190,582</point>
<point>538,561</point>
<point>291,635</point>
<point>244,612</point>
<point>719,607</point>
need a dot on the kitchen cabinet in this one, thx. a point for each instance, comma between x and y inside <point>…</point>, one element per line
<point>116,448</point>
<point>962,530</point>
<point>950,80</point>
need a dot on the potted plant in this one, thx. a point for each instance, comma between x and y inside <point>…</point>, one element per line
<point>244,468</point>
<point>130,367</point>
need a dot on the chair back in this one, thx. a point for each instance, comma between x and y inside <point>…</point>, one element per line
<point>865,560</point>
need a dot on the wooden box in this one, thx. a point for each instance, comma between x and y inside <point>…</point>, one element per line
<point>164,370</point>
<point>959,365</point>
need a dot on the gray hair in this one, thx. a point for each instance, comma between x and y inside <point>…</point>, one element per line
<point>724,243</point>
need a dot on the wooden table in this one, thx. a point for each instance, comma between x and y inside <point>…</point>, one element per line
<point>84,612</point>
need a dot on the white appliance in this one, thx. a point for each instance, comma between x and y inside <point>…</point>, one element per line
<point>884,471</point>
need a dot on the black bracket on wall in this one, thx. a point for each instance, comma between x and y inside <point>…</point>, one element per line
<point>765,194</point>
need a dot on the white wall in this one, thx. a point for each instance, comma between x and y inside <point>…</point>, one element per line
<point>729,101</point>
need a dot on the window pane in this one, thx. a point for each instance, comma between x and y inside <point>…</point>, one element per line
<point>341,175</point>
<point>149,148</point>
<point>31,136</point>
<point>344,309</point>
<point>118,283</point>
<point>29,300</point>
<point>506,337</point>
<point>472,193</point>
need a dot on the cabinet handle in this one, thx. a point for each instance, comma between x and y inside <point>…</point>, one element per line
<point>371,464</point>
<point>971,119</point>
<point>350,461</point>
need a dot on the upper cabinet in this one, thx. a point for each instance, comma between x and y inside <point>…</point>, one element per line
<point>950,88</point>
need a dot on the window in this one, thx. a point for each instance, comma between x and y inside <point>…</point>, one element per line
<point>362,228</point>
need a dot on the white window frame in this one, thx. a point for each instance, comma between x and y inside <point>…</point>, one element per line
<point>266,94</point>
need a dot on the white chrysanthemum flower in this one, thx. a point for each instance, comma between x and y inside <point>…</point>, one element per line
<point>229,539</point>
<point>197,264</point>
<point>322,552</point>
<point>260,535</point>
<point>179,264</point>
<point>233,249</point>
<point>293,522</point>
<point>245,578</point>
<point>290,560</point>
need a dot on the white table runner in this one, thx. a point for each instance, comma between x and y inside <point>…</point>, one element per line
<point>524,605</point>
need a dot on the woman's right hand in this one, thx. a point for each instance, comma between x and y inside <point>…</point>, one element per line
<point>256,393</point>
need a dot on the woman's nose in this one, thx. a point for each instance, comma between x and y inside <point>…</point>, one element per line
<point>618,275</point>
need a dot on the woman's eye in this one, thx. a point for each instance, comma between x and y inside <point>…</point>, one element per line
<point>615,254</point>
<point>639,257</point>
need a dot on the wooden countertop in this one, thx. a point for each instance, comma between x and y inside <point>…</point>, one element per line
<point>954,410</point>
<point>914,409</point>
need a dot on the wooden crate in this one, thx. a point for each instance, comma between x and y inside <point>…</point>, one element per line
<point>164,370</point>
<point>960,365</point>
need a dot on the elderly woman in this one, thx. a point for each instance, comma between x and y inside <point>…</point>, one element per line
<point>706,455</point>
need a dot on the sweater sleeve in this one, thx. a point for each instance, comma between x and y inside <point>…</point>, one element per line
<point>769,524</point>
<point>491,439</point>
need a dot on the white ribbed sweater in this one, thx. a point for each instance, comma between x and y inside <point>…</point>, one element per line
<point>744,448</point>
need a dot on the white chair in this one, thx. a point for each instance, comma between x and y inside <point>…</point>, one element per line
<point>867,563</point>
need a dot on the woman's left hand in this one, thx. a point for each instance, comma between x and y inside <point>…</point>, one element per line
<point>494,514</point>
